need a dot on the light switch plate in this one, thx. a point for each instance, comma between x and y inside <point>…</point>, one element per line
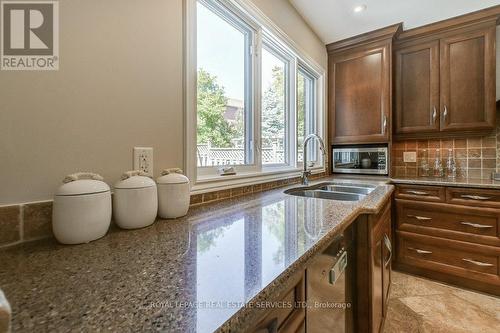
<point>143,159</point>
<point>410,156</point>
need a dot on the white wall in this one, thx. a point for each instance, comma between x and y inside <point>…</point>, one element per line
<point>119,85</point>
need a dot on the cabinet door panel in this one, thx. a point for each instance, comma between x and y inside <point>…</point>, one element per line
<point>468,80</point>
<point>360,95</point>
<point>417,88</point>
<point>377,286</point>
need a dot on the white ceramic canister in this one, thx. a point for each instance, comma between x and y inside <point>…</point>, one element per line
<point>135,201</point>
<point>173,194</point>
<point>82,209</point>
<point>5,314</point>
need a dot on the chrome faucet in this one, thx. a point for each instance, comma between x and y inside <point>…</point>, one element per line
<point>305,172</point>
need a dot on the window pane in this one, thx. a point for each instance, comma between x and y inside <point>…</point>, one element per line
<point>305,114</point>
<point>221,113</point>
<point>273,109</point>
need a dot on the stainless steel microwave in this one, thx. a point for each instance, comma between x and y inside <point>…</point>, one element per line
<point>370,160</point>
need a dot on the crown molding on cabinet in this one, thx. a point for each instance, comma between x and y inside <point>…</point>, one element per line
<point>388,32</point>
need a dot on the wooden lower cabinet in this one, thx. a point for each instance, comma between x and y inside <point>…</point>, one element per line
<point>286,319</point>
<point>368,278</point>
<point>456,241</point>
<point>374,253</point>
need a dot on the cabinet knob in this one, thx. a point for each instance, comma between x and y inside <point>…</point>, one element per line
<point>445,113</point>
<point>384,124</point>
<point>434,115</point>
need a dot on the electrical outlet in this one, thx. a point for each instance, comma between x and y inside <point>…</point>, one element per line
<point>410,156</point>
<point>143,159</point>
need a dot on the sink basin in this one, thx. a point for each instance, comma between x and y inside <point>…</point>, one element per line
<point>346,189</point>
<point>321,194</point>
<point>333,191</point>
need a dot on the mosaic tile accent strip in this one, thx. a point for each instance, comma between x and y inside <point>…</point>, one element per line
<point>211,197</point>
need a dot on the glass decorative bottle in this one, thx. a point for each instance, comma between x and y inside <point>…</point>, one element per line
<point>451,168</point>
<point>438,166</point>
<point>424,164</point>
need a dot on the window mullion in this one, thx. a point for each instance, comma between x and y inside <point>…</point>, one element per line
<point>292,113</point>
<point>257,98</point>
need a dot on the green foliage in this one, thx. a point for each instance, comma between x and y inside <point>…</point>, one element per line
<point>212,127</point>
<point>273,108</point>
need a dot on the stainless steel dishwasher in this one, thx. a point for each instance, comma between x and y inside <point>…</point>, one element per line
<point>329,281</point>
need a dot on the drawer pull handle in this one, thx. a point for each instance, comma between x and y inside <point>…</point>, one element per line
<point>474,197</point>
<point>419,251</point>
<point>475,225</point>
<point>420,218</point>
<point>388,245</point>
<point>417,192</point>
<point>478,263</point>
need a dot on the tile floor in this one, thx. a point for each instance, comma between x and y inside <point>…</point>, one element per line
<point>418,305</point>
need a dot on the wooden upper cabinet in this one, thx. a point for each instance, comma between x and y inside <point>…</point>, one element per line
<point>445,77</point>
<point>416,107</point>
<point>468,80</point>
<point>360,105</point>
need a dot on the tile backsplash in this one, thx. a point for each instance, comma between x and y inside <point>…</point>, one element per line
<point>475,157</point>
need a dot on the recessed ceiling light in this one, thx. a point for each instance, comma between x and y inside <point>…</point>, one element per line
<point>359,9</point>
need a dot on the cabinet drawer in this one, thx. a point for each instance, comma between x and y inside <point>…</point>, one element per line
<point>289,316</point>
<point>421,192</point>
<point>473,197</point>
<point>461,223</point>
<point>449,256</point>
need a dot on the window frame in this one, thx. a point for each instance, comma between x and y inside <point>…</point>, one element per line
<point>246,26</point>
<point>312,124</point>
<point>207,179</point>
<point>290,78</point>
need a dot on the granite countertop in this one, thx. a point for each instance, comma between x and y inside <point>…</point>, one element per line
<point>458,182</point>
<point>199,273</point>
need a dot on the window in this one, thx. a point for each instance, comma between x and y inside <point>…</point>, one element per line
<point>257,96</point>
<point>306,113</point>
<point>223,80</point>
<point>274,107</point>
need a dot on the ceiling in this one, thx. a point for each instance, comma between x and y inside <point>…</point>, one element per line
<point>334,20</point>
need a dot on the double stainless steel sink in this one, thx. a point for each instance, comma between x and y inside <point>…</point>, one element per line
<point>334,191</point>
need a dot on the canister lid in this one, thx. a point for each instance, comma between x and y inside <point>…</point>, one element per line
<point>81,187</point>
<point>135,182</point>
<point>172,176</point>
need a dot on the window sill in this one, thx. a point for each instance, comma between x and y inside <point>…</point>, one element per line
<point>217,182</point>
